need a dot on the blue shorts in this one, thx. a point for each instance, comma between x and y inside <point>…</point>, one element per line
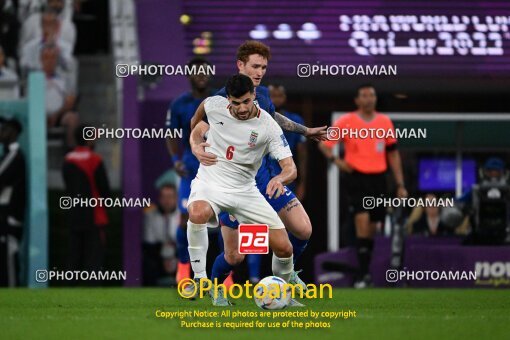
<point>183,194</point>
<point>276,203</point>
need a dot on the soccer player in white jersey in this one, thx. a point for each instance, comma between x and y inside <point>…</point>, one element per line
<point>240,135</point>
<point>252,61</point>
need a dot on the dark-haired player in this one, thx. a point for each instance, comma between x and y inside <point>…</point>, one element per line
<point>252,60</point>
<point>240,135</point>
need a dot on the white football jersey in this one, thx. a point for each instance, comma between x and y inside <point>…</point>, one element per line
<point>239,145</point>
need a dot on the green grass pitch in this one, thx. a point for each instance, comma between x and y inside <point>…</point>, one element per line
<point>130,314</point>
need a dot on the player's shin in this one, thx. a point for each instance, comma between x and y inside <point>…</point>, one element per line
<point>221,268</point>
<point>183,265</point>
<point>364,250</point>
<point>182,245</point>
<point>254,262</point>
<point>198,243</point>
<point>298,246</point>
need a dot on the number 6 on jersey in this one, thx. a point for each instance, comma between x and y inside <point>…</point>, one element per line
<point>230,152</point>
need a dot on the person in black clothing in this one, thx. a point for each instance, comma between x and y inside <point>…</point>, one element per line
<point>12,201</point>
<point>427,221</point>
<point>85,177</point>
<point>9,28</point>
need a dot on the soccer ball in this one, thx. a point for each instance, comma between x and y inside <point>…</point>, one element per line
<point>269,293</point>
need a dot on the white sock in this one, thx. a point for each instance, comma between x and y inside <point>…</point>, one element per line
<point>198,243</point>
<point>283,267</point>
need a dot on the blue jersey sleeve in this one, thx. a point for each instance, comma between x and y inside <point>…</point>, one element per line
<point>272,109</point>
<point>264,100</point>
<point>221,92</point>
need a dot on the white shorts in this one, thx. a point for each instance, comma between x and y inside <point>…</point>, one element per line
<point>248,207</point>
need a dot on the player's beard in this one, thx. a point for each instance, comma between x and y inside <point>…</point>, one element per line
<point>250,115</point>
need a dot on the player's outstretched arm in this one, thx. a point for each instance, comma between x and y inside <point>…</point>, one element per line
<point>317,134</point>
<point>198,145</point>
<point>289,173</point>
<point>198,116</point>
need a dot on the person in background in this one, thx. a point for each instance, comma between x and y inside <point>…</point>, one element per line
<point>297,144</point>
<point>492,174</point>
<point>85,177</point>
<point>9,28</point>
<point>366,162</point>
<point>30,50</point>
<point>427,221</point>
<point>185,163</point>
<point>12,201</point>
<point>7,75</point>
<point>159,228</point>
<point>65,29</point>
<point>5,72</point>
<point>60,98</point>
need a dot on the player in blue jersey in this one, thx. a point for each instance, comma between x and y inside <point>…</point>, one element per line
<point>297,144</point>
<point>185,163</point>
<point>252,58</point>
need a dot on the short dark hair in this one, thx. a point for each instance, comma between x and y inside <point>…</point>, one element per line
<point>363,86</point>
<point>198,61</point>
<point>238,85</point>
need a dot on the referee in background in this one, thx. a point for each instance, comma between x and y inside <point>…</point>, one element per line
<point>366,161</point>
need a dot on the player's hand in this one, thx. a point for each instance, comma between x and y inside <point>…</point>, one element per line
<point>318,133</point>
<point>275,188</point>
<point>205,158</point>
<point>401,192</point>
<point>180,168</point>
